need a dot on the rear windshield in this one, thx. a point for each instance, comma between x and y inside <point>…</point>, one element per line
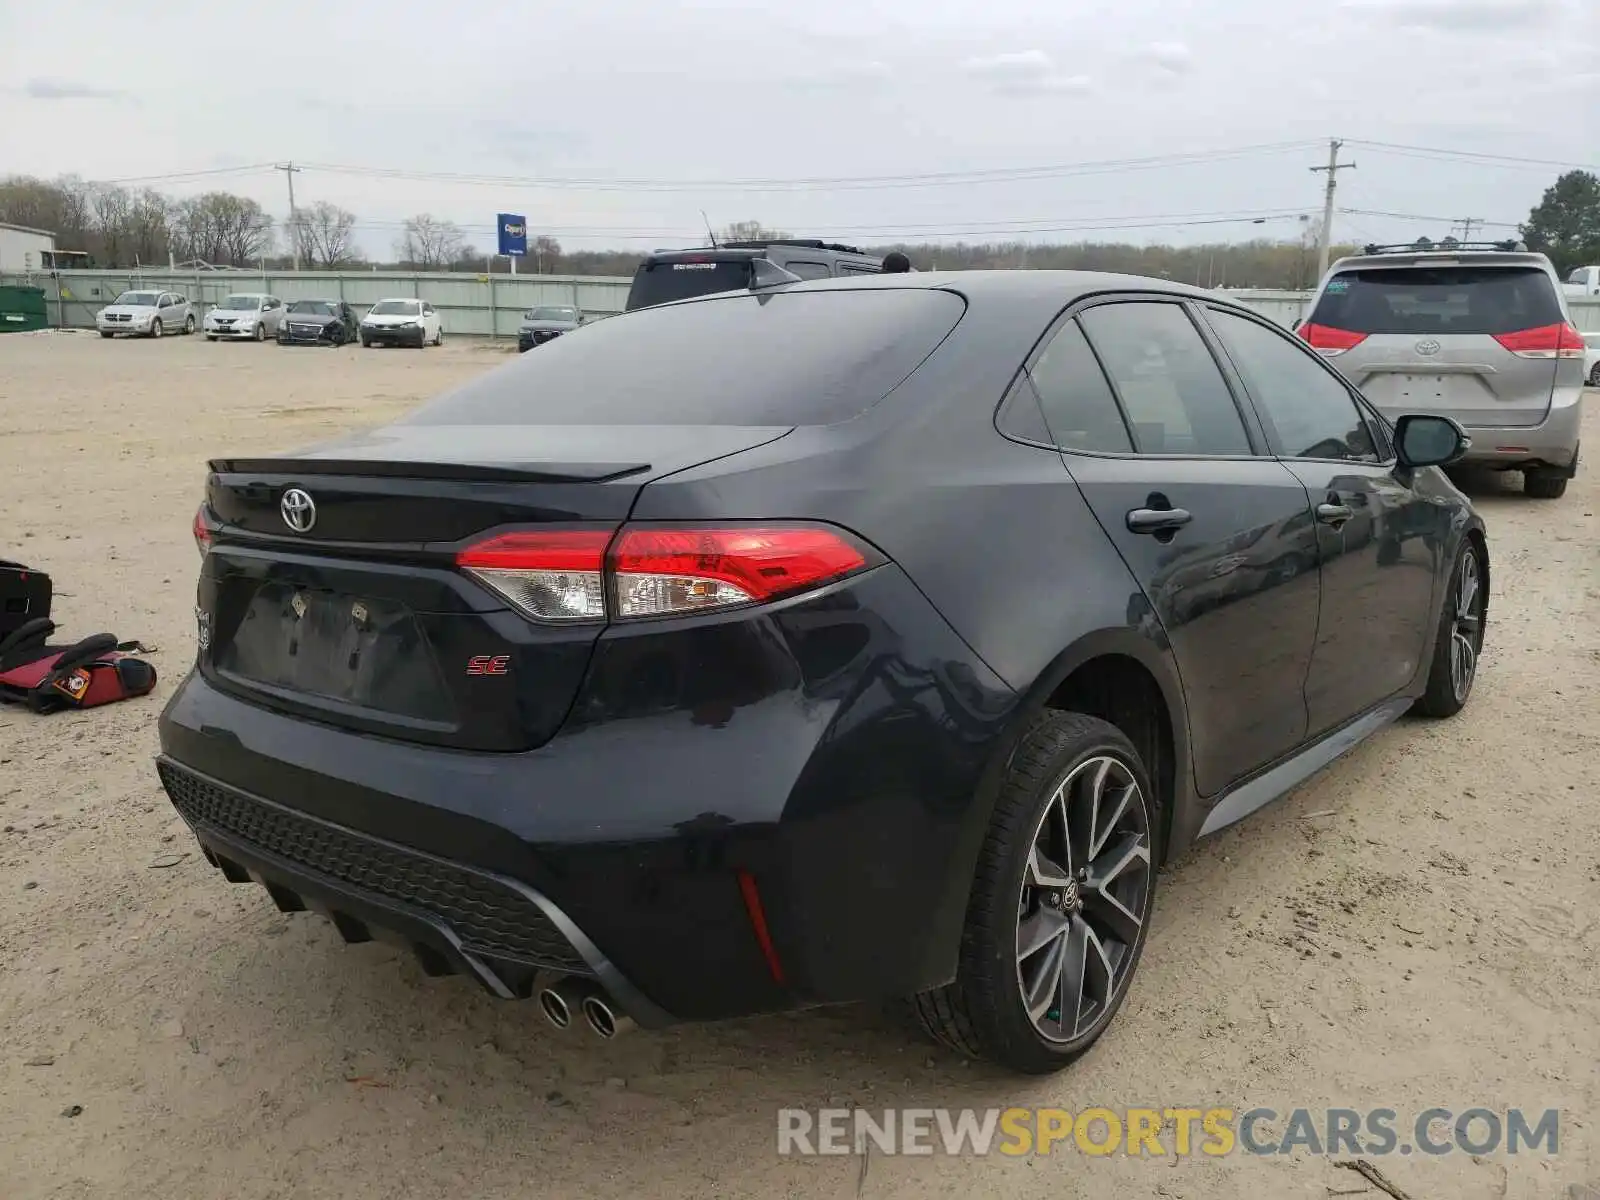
<point>1439,300</point>
<point>660,282</point>
<point>797,358</point>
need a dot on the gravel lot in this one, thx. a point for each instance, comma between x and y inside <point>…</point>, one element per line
<point>1417,926</point>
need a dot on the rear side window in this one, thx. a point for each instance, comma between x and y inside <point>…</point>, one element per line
<point>662,282</point>
<point>1308,412</point>
<point>1075,398</point>
<point>1172,390</point>
<point>1439,300</point>
<point>796,358</point>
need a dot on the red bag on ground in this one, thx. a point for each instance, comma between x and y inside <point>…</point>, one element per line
<point>46,678</point>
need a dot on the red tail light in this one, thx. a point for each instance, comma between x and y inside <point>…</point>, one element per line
<point>655,571</point>
<point>659,572</point>
<point>202,531</point>
<point>1547,341</point>
<point>552,575</point>
<point>1330,341</point>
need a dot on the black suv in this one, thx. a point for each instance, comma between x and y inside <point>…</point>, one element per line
<point>843,640</point>
<point>667,275</point>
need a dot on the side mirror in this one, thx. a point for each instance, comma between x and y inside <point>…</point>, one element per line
<point>1429,441</point>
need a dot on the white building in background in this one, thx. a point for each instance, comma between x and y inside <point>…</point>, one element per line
<point>24,249</point>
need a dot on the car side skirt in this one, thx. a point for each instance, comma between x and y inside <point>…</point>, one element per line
<point>1255,793</point>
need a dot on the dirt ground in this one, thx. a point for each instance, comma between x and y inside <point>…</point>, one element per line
<point>1417,926</point>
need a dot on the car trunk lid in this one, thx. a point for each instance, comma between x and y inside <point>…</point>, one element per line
<point>331,588</point>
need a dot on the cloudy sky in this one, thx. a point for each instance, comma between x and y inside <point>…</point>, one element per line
<point>615,122</point>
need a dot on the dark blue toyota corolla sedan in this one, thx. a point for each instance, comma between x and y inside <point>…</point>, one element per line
<point>845,640</point>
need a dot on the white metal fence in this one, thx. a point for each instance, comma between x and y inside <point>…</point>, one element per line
<point>484,305</point>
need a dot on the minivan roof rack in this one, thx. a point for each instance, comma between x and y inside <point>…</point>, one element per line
<point>1446,246</point>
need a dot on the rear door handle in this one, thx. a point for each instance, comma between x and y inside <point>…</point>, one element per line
<point>1334,514</point>
<point>1157,520</point>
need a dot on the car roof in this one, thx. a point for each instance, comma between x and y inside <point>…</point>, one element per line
<point>398,299</point>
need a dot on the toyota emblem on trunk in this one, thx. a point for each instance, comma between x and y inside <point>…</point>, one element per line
<point>299,510</point>
<point>1427,346</point>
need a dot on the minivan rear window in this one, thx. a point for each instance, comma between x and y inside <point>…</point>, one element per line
<point>659,282</point>
<point>778,358</point>
<point>1438,300</point>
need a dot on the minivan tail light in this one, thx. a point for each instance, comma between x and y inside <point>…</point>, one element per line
<point>551,575</point>
<point>1330,341</point>
<point>1547,341</point>
<point>668,571</point>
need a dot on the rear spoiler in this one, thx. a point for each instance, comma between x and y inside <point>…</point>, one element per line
<point>299,468</point>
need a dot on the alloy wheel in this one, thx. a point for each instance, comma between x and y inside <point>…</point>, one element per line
<point>1084,899</point>
<point>1466,627</point>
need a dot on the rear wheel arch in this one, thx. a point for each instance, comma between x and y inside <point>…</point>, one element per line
<point>1107,674</point>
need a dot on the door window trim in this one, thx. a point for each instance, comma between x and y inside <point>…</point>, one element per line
<point>1363,408</point>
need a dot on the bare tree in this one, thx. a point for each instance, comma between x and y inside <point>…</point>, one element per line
<point>546,250</point>
<point>60,206</point>
<point>430,244</point>
<point>113,223</point>
<point>222,229</point>
<point>150,231</point>
<point>750,231</point>
<point>325,234</point>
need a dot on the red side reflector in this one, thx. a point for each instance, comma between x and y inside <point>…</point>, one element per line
<point>1547,341</point>
<point>758,922</point>
<point>1330,340</point>
<point>539,550</point>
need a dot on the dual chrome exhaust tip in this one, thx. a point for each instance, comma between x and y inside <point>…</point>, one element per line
<point>566,999</point>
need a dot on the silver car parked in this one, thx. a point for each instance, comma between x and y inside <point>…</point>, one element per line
<point>1478,332</point>
<point>146,314</point>
<point>249,315</point>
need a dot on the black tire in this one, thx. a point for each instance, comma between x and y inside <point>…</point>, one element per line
<point>1594,376</point>
<point>984,1013</point>
<point>366,343</point>
<point>438,338</point>
<point>261,332</point>
<point>1445,697</point>
<point>155,328</point>
<point>211,337</point>
<point>188,324</point>
<point>104,334</point>
<point>1543,483</point>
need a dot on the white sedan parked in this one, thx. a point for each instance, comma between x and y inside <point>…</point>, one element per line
<point>245,315</point>
<point>147,314</point>
<point>405,321</point>
<point>1591,358</point>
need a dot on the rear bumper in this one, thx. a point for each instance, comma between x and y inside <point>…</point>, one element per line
<point>456,920</point>
<point>828,752</point>
<point>1552,443</point>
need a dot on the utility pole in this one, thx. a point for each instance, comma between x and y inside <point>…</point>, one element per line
<point>1333,168</point>
<point>1466,224</point>
<point>289,171</point>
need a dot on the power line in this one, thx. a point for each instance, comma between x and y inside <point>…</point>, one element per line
<point>1474,156</point>
<point>182,176</point>
<point>922,179</point>
<point>1405,216</point>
